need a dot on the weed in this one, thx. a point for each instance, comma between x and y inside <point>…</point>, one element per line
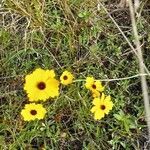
<point>76,36</point>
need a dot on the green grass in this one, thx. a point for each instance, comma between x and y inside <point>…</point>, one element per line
<point>72,35</point>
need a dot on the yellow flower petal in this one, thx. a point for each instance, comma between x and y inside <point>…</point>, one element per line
<point>50,73</point>
<point>89,82</point>
<point>94,108</point>
<point>98,115</point>
<point>102,96</point>
<point>96,101</point>
<point>108,98</point>
<point>99,86</point>
<point>96,94</point>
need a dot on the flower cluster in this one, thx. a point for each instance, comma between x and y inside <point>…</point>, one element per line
<point>102,103</point>
<point>42,85</point>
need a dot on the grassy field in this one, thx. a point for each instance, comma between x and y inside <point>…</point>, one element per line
<point>79,36</point>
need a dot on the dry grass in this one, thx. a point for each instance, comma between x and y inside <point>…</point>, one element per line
<point>79,36</point>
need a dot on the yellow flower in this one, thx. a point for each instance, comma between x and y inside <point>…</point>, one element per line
<point>93,85</point>
<point>101,106</point>
<point>66,78</point>
<point>41,85</point>
<point>33,111</point>
<point>96,94</point>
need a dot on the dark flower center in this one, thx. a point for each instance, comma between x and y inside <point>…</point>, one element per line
<point>94,86</point>
<point>41,85</point>
<point>65,77</point>
<point>33,112</point>
<point>103,107</point>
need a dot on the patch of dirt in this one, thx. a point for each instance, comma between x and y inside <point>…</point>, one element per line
<point>65,118</point>
<point>73,145</point>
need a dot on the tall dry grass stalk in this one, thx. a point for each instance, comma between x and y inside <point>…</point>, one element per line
<point>138,52</point>
<point>141,68</point>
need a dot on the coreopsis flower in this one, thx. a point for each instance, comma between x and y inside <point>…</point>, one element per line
<point>96,94</point>
<point>41,85</point>
<point>66,78</point>
<point>33,111</point>
<point>102,106</point>
<point>94,85</point>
